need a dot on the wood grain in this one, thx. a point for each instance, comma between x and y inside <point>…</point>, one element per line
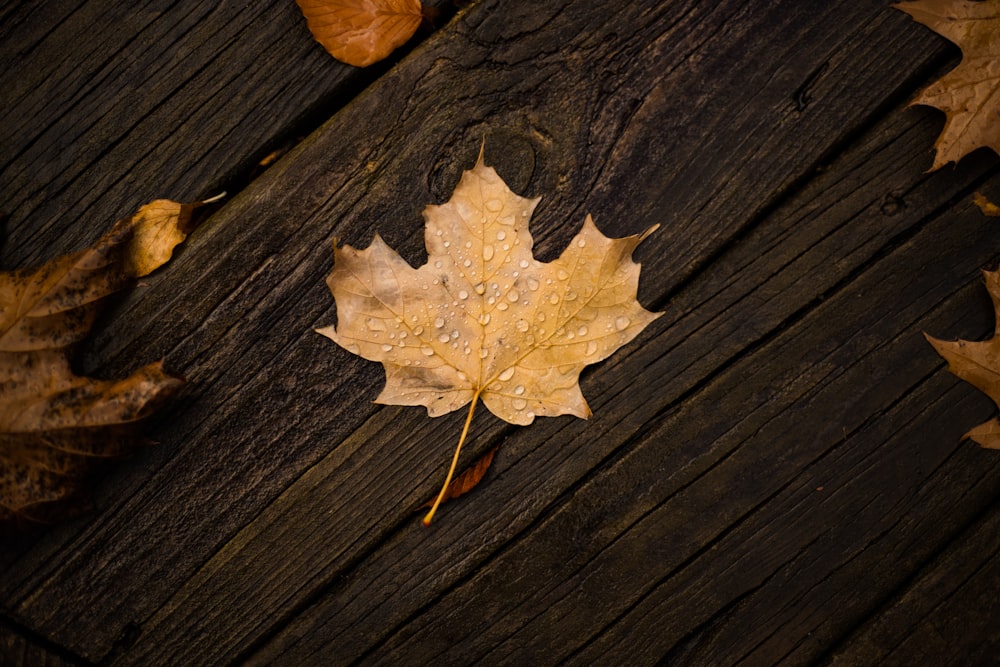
<point>111,105</point>
<point>948,609</point>
<point>708,459</point>
<point>16,650</point>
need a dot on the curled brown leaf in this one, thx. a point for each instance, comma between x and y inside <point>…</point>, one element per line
<point>468,479</point>
<point>361,32</point>
<point>55,425</point>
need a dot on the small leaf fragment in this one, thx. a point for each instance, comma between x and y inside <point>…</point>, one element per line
<point>978,363</point>
<point>361,32</point>
<point>55,425</point>
<point>986,206</point>
<point>469,478</point>
<point>158,227</point>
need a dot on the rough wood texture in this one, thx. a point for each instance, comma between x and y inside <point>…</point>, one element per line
<point>949,609</point>
<point>706,469</point>
<point>18,651</point>
<point>108,105</point>
<point>773,472</point>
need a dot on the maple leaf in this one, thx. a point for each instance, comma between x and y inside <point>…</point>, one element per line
<point>978,363</point>
<point>361,32</point>
<point>483,319</point>
<point>54,424</point>
<point>969,94</point>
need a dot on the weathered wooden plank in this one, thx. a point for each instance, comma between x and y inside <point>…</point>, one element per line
<point>107,105</point>
<point>384,590</point>
<point>701,485</point>
<point>19,651</point>
<point>949,610</point>
<point>740,523</point>
<point>789,580</point>
<point>262,404</point>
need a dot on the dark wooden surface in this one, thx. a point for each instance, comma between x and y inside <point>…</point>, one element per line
<point>774,471</point>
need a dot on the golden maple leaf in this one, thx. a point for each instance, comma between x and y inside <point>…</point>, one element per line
<point>978,363</point>
<point>969,94</point>
<point>483,319</point>
<point>361,32</point>
<point>53,423</point>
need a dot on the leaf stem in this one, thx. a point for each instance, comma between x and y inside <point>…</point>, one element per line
<point>454,460</point>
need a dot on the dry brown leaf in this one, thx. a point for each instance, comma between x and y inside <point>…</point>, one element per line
<point>483,319</point>
<point>978,363</point>
<point>969,94</point>
<point>54,425</point>
<point>985,205</point>
<point>468,480</point>
<point>361,32</point>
